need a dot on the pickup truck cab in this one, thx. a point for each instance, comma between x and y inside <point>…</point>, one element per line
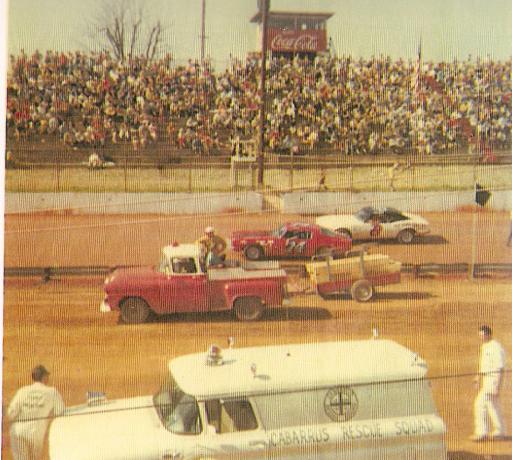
<point>355,400</point>
<point>181,283</point>
<point>290,240</point>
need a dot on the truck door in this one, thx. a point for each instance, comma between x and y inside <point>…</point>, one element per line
<point>185,287</point>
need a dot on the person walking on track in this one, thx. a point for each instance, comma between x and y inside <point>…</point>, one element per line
<point>29,414</point>
<point>489,381</point>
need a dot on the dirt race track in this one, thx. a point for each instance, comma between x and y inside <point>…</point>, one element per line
<point>59,323</point>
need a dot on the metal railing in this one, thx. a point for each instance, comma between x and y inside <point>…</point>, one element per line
<point>417,270</point>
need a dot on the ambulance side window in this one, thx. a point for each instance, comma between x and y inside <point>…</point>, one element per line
<point>230,416</point>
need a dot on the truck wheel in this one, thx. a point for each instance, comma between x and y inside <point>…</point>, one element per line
<point>362,290</point>
<point>253,252</point>
<point>134,310</point>
<point>344,232</point>
<point>405,236</point>
<point>248,308</point>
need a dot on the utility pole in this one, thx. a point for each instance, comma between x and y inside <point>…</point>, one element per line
<point>264,8</point>
<point>203,36</point>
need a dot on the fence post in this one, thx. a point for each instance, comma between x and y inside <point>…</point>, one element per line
<point>57,171</point>
<point>291,173</point>
<point>125,173</point>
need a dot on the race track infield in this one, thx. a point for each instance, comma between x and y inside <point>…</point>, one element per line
<point>59,323</point>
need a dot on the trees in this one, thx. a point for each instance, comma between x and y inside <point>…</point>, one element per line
<point>125,28</point>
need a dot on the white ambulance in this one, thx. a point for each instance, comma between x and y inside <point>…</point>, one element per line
<point>361,400</point>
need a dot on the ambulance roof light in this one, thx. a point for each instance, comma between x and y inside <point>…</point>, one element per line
<point>214,356</point>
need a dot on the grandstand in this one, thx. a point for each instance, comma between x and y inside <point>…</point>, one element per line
<point>62,106</point>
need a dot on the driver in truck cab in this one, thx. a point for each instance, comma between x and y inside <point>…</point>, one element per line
<point>213,248</point>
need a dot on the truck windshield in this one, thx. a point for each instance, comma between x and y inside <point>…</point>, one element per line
<point>163,265</point>
<point>177,410</point>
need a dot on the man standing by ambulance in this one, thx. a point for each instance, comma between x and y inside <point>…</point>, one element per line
<point>489,381</point>
<point>29,413</point>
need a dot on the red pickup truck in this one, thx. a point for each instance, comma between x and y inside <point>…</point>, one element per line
<point>290,240</point>
<point>181,283</point>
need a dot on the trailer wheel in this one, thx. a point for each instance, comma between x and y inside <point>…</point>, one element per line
<point>134,310</point>
<point>253,252</point>
<point>405,236</point>
<point>362,290</point>
<point>248,308</point>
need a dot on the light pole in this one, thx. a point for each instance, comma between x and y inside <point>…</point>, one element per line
<point>203,36</point>
<point>264,8</point>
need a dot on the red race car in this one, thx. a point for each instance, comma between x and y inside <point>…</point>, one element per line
<point>290,240</point>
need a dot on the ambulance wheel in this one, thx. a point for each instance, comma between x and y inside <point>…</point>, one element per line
<point>248,308</point>
<point>134,310</point>
<point>405,236</point>
<point>362,290</point>
<point>253,252</point>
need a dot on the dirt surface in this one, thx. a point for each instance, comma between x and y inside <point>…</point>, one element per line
<point>59,323</point>
<point>69,240</point>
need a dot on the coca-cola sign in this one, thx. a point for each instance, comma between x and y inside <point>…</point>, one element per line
<point>297,40</point>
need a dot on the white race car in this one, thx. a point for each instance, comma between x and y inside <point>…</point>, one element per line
<point>372,223</point>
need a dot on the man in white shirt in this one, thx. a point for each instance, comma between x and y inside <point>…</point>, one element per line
<point>489,380</point>
<point>29,413</point>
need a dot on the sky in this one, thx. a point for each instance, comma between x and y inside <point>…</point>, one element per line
<point>449,29</point>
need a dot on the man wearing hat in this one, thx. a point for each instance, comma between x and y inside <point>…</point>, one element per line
<point>213,247</point>
<point>29,413</point>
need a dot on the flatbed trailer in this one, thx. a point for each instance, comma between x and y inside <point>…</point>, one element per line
<point>357,275</point>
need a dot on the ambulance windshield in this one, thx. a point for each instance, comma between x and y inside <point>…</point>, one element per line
<point>178,411</point>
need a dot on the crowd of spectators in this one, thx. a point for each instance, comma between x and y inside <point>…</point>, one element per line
<point>352,106</point>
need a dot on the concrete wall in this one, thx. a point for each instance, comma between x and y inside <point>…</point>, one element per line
<point>172,203</point>
<point>296,202</point>
<point>334,202</point>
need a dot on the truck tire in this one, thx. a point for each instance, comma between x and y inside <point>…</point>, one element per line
<point>253,252</point>
<point>405,236</point>
<point>248,308</point>
<point>134,310</point>
<point>362,291</point>
<point>344,232</point>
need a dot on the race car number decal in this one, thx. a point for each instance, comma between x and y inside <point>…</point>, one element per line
<point>295,247</point>
<point>376,229</point>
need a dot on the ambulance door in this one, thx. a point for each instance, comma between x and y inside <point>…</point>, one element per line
<point>232,427</point>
